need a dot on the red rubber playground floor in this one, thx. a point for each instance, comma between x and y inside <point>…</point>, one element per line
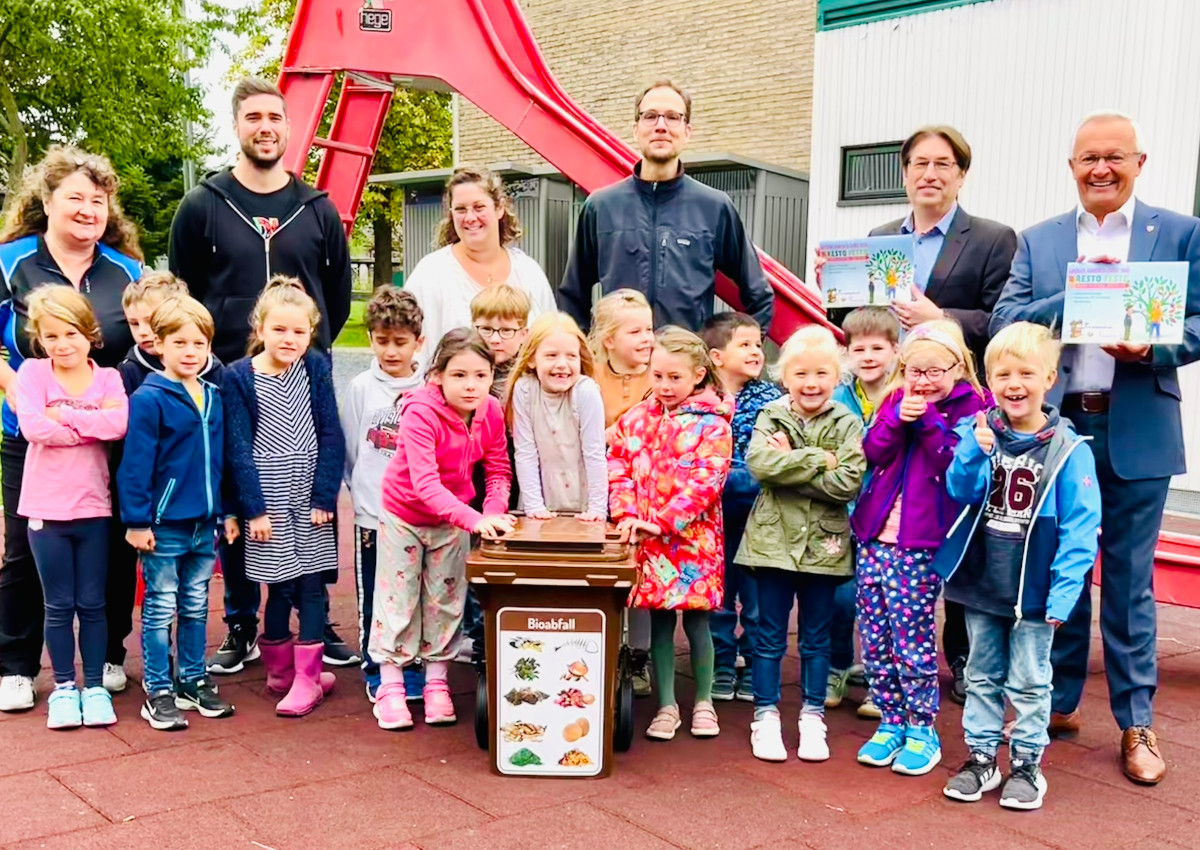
<point>334,780</point>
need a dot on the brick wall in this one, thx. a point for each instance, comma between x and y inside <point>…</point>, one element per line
<point>747,63</point>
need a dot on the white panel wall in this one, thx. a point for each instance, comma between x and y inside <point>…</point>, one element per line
<point>1015,77</point>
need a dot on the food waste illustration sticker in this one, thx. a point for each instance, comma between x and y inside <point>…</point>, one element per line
<point>550,717</point>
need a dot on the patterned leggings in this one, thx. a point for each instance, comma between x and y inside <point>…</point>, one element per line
<point>897,595</point>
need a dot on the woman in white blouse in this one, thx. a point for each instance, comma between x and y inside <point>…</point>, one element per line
<point>475,249</point>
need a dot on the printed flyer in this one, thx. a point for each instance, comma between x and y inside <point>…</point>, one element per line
<point>1125,302</point>
<point>550,720</point>
<point>863,272</point>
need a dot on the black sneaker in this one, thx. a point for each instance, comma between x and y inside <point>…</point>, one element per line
<point>337,653</point>
<point>238,647</point>
<point>202,696</point>
<point>977,775</point>
<point>161,713</point>
<point>958,688</point>
<point>1025,787</point>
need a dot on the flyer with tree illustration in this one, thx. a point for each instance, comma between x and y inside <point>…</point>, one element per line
<point>863,272</point>
<point>1142,303</point>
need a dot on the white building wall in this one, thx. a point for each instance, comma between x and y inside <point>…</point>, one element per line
<point>1015,77</point>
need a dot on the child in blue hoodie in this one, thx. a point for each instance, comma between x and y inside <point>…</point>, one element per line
<point>1033,506</point>
<point>735,344</point>
<point>170,494</point>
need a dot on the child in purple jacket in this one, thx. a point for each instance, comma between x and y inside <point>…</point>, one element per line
<point>900,520</point>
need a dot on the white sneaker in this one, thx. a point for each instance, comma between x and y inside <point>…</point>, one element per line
<point>114,678</point>
<point>16,693</point>
<point>812,738</point>
<point>766,738</point>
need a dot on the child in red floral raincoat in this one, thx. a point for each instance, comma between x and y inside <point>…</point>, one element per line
<point>667,461</point>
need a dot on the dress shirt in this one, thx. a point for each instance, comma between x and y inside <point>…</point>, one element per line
<point>1091,367</point>
<point>927,246</point>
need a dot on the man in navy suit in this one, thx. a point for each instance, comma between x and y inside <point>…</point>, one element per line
<point>1126,398</point>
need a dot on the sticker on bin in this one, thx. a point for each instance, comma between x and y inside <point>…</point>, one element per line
<point>550,681</point>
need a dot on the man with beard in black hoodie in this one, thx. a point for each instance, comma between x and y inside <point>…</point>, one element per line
<point>230,235</point>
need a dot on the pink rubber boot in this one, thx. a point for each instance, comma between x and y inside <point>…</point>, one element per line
<point>278,657</point>
<point>307,689</point>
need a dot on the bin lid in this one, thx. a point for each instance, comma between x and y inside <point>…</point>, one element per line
<point>559,539</point>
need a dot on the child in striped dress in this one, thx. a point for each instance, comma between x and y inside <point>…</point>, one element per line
<point>286,452</point>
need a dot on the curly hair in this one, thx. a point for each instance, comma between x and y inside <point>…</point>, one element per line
<point>393,308</point>
<point>27,215</point>
<point>493,186</point>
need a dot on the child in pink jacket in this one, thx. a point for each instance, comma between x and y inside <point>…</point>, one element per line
<point>445,428</point>
<point>68,409</point>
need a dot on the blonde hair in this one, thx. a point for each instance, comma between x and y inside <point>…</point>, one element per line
<point>675,340</point>
<point>809,338</point>
<point>175,312</point>
<point>944,335</point>
<point>543,327</point>
<point>493,187</point>
<point>607,316</point>
<point>27,211</point>
<point>65,304</point>
<point>281,291</point>
<point>1026,342</point>
<point>157,285</point>
<point>501,302</point>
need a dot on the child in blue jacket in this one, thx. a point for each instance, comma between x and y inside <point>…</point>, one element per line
<point>170,495</point>
<point>1033,507</point>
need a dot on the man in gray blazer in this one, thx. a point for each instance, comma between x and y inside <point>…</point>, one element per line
<point>1126,398</point>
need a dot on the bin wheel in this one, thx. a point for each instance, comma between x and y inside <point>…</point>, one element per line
<point>481,712</point>
<point>623,726</point>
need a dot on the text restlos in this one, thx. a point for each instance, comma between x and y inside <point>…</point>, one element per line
<point>560,624</point>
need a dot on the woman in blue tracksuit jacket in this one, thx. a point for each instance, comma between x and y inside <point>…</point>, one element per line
<point>1032,506</point>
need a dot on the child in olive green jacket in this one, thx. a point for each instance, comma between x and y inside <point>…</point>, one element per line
<point>806,452</point>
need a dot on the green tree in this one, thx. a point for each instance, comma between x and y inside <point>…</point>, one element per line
<point>417,134</point>
<point>109,75</point>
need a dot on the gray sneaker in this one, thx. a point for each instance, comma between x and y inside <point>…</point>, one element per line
<point>977,775</point>
<point>724,685</point>
<point>745,686</point>
<point>1025,787</point>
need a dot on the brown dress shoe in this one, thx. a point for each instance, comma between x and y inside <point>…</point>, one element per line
<point>1140,756</point>
<point>1064,724</point>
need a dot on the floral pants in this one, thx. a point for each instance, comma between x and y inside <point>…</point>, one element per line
<point>420,591</point>
<point>897,596</point>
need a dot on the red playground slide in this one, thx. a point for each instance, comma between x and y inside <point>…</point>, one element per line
<point>482,49</point>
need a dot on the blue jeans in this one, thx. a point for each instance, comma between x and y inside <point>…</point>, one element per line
<point>777,590</point>
<point>841,629</point>
<point>72,562</point>
<point>1009,658</point>
<point>176,575</point>
<point>740,584</point>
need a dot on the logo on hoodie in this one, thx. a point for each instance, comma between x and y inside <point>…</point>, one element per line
<point>265,226</point>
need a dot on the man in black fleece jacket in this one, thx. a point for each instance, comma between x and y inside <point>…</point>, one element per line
<point>230,235</point>
<point>246,223</point>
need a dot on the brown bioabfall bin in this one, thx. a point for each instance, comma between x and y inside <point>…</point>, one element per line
<point>557,694</point>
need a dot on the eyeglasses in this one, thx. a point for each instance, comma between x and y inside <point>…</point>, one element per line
<point>1116,160</point>
<point>489,332</point>
<point>940,166</point>
<point>934,373</point>
<point>650,117</point>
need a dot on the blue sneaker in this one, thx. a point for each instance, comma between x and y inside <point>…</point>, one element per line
<point>922,751</point>
<point>414,683</point>
<point>884,746</point>
<point>724,685</point>
<point>64,709</point>
<point>97,707</point>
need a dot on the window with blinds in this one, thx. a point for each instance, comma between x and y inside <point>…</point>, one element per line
<point>871,174</point>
